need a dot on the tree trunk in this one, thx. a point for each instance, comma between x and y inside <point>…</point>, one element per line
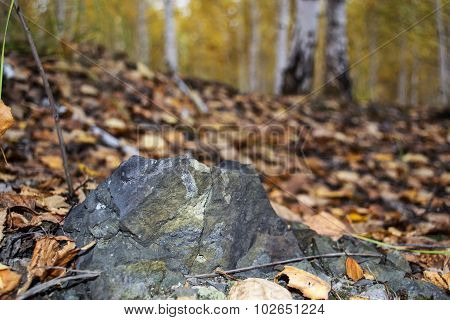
<point>143,43</point>
<point>402,75</point>
<point>299,72</point>
<point>443,71</point>
<point>255,43</point>
<point>60,16</point>
<point>170,38</point>
<point>373,63</point>
<point>281,55</point>
<point>414,86</point>
<point>337,73</point>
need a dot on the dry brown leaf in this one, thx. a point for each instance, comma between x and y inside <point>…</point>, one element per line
<point>50,251</point>
<point>258,289</point>
<point>6,118</point>
<point>285,213</point>
<point>442,281</point>
<point>327,225</point>
<point>8,199</point>
<point>353,269</point>
<point>309,285</point>
<point>9,280</point>
<point>53,162</point>
<point>55,202</point>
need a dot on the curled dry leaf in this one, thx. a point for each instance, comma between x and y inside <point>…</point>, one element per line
<point>9,280</point>
<point>309,285</point>
<point>258,289</point>
<point>6,118</point>
<point>50,252</point>
<point>353,269</point>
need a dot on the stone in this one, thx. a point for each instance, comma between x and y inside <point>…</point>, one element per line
<point>155,221</point>
<point>210,293</point>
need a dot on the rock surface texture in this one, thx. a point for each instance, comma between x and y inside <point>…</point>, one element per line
<point>156,221</point>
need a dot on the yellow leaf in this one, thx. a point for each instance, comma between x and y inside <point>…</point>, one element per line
<point>354,270</point>
<point>258,289</point>
<point>53,162</point>
<point>6,118</point>
<point>442,281</point>
<point>309,285</point>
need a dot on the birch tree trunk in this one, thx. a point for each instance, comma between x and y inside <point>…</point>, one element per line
<point>299,72</point>
<point>337,73</point>
<point>402,75</point>
<point>143,43</point>
<point>443,71</point>
<point>281,55</point>
<point>255,43</point>
<point>170,38</point>
<point>60,16</point>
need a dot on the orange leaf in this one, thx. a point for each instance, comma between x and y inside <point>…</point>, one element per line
<point>9,280</point>
<point>6,118</point>
<point>354,270</point>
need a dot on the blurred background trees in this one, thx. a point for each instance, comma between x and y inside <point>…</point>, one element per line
<point>252,44</point>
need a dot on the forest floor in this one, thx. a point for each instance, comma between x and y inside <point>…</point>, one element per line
<point>378,171</point>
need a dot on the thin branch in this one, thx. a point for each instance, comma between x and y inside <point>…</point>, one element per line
<point>50,97</point>
<point>57,281</point>
<point>276,263</point>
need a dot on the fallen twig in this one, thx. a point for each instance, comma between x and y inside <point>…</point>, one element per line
<point>57,281</point>
<point>276,263</point>
<point>50,98</point>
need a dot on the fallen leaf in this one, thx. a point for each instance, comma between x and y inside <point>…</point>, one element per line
<point>415,158</point>
<point>50,252</point>
<point>442,281</point>
<point>258,289</point>
<point>327,225</point>
<point>285,213</point>
<point>9,280</point>
<point>353,269</point>
<point>309,285</point>
<point>6,118</point>
<point>324,192</point>
<point>53,162</point>
<point>55,202</point>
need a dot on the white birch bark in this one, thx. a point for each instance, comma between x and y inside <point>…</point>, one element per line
<point>402,75</point>
<point>337,73</point>
<point>60,16</point>
<point>255,43</point>
<point>170,37</point>
<point>299,72</point>
<point>143,42</point>
<point>443,71</point>
<point>281,55</point>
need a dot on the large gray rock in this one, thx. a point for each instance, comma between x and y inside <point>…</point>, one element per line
<point>157,220</point>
